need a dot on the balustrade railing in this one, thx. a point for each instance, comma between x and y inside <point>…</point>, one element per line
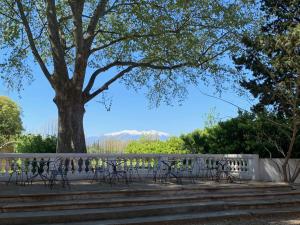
<point>82,166</point>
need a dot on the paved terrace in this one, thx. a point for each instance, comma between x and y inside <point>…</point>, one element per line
<point>87,186</point>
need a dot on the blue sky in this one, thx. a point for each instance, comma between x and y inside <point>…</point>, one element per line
<point>130,109</point>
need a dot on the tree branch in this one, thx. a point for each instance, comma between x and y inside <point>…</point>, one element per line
<point>95,74</point>
<point>10,17</point>
<point>130,64</point>
<point>32,44</point>
<point>152,66</point>
<point>98,13</point>
<point>143,65</point>
<point>77,7</point>
<point>108,83</point>
<point>60,65</point>
<point>130,36</point>
<point>119,40</point>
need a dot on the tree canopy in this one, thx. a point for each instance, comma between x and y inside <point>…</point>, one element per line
<point>84,46</point>
<point>10,119</point>
<point>248,133</point>
<point>35,144</point>
<point>160,44</point>
<point>273,58</point>
<point>173,145</point>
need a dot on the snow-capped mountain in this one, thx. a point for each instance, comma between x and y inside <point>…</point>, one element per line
<point>133,133</point>
<point>129,135</point>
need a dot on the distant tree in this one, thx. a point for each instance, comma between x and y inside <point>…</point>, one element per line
<point>31,143</point>
<point>196,141</point>
<point>247,133</point>
<point>273,58</point>
<point>235,136</point>
<point>108,146</point>
<point>211,118</point>
<point>10,120</point>
<point>163,45</point>
<point>173,145</point>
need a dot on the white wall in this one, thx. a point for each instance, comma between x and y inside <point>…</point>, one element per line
<point>270,169</point>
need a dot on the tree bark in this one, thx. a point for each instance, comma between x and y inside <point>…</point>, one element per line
<point>286,176</point>
<point>71,136</point>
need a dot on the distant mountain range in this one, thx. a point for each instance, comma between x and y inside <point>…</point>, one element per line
<point>126,135</point>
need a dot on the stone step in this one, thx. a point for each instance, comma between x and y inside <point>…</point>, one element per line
<point>63,216</point>
<point>139,201</point>
<point>194,218</point>
<point>134,192</point>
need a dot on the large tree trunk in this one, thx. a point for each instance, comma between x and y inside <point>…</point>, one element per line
<point>71,136</point>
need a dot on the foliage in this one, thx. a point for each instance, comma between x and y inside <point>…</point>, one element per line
<point>273,58</point>
<point>246,134</point>
<point>173,145</point>
<point>236,135</point>
<point>144,34</point>
<point>162,45</point>
<point>36,144</point>
<point>10,119</point>
<point>196,141</point>
<point>272,132</point>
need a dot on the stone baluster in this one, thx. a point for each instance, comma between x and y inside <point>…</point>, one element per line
<point>142,164</point>
<point>246,165</point>
<point>7,166</point>
<point>242,163</point>
<point>238,165</point>
<point>149,163</point>
<point>29,166</point>
<point>23,167</point>
<point>73,165</point>
<point>130,163</point>
<point>1,167</point>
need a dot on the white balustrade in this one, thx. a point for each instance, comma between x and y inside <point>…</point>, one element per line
<point>82,166</point>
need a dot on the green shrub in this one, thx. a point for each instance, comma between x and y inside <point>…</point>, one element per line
<point>10,122</point>
<point>245,134</point>
<point>36,144</point>
<point>173,145</point>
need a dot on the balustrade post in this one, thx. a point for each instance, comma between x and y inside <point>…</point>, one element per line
<point>253,167</point>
